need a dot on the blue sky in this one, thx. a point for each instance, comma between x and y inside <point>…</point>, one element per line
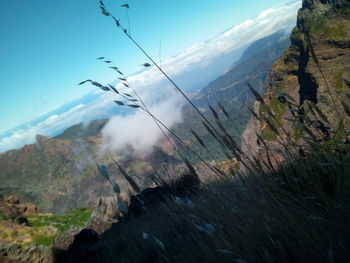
<point>47,46</point>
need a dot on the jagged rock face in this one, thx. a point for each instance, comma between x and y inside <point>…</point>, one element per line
<point>316,68</point>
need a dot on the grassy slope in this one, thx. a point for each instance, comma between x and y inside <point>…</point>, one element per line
<point>43,228</point>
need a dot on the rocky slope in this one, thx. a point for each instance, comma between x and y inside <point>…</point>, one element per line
<point>314,70</point>
<point>59,174</point>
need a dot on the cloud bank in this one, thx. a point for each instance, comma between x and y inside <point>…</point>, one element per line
<point>137,133</point>
<point>192,68</point>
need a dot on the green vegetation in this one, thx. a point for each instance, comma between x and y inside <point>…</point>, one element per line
<point>77,217</point>
<point>3,218</point>
<point>277,108</point>
<point>44,240</point>
<point>338,81</point>
<point>44,228</point>
<point>14,234</point>
<point>325,27</point>
<point>4,235</point>
<point>297,131</point>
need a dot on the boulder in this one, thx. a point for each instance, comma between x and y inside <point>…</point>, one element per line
<point>8,211</point>
<point>64,241</point>
<point>13,200</point>
<point>105,213</point>
<point>27,209</point>
<point>12,209</point>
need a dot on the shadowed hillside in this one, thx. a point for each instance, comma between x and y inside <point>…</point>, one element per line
<point>231,90</point>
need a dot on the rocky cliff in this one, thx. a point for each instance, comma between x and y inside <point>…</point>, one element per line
<point>311,78</point>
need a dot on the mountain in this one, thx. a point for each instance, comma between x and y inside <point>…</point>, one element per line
<point>231,90</point>
<point>59,174</point>
<point>308,86</point>
<point>81,131</point>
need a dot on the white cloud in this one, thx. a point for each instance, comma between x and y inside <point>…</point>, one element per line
<point>188,68</point>
<point>137,133</point>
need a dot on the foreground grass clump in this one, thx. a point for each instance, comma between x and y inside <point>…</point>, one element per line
<point>43,228</point>
<point>296,213</point>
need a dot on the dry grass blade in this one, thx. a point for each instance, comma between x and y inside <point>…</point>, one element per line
<point>88,80</point>
<point>347,83</point>
<point>104,11</point>
<point>133,106</point>
<point>189,166</point>
<point>229,137</point>
<point>271,125</point>
<point>117,21</point>
<point>96,84</point>
<point>254,114</point>
<point>103,171</point>
<point>269,112</point>
<point>113,88</point>
<point>210,131</point>
<point>309,132</point>
<point>125,5</point>
<point>319,112</point>
<point>261,139</point>
<point>256,94</point>
<point>213,111</point>
<point>224,110</point>
<point>99,85</point>
<point>104,88</point>
<point>119,102</point>
<point>198,138</point>
<point>128,178</point>
<point>346,108</point>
